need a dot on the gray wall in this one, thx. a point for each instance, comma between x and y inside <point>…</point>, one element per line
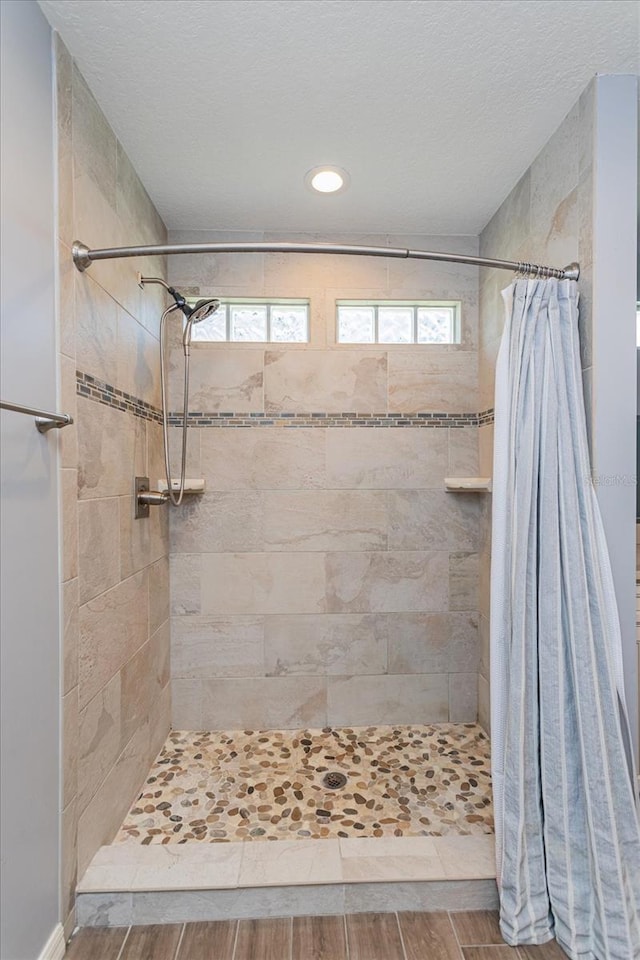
<point>613,382</point>
<point>29,780</point>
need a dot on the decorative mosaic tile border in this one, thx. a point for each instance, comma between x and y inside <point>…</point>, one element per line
<point>198,419</point>
<point>93,389</point>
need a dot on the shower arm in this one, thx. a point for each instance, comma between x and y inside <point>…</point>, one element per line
<point>83,257</point>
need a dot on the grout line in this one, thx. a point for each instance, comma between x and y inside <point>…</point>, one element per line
<point>126,937</point>
<point>290,957</point>
<point>455,934</point>
<point>404,950</point>
<point>179,944</point>
<point>235,940</point>
<point>346,936</point>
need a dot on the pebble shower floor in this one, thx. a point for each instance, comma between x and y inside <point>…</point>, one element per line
<point>401,781</point>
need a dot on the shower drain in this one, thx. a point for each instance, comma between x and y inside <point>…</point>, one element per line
<point>334,780</point>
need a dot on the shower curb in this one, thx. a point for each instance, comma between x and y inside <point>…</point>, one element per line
<point>183,906</point>
<point>130,883</point>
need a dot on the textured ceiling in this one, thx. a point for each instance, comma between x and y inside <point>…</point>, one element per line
<point>435,107</point>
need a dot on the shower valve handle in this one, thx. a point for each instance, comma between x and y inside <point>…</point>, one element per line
<point>145,498</point>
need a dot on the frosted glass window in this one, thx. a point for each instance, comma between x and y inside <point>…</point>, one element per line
<point>213,328</point>
<point>289,324</point>
<point>395,325</point>
<point>255,321</point>
<point>400,322</point>
<point>435,325</point>
<point>356,324</point>
<point>248,322</point>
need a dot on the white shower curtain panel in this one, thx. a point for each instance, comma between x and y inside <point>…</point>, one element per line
<point>567,836</point>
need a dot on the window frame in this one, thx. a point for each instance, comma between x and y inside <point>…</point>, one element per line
<point>456,324</point>
<point>270,303</point>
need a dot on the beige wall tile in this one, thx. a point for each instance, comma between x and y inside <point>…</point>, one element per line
<point>112,450</point>
<point>100,739</point>
<point>386,458</point>
<point>159,594</point>
<point>112,628</point>
<point>325,645</point>
<point>66,302</point>
<point>433,380</point>
<point>357,701</point>
<point>160,670</point>
<point>143,540</point>
<point>463,697</point>
<point>485,445</point>
<point>236,270</point>
<point>138,360</point>
<point>156,460</point>
<point>96,330</point>
<point>328,381</point>
<point>405,581</point>
<point>484,645</point>
<point>509,227</point>
<point>94,143</point>
<point>103,815</point>
<point>133,204</point>
<point>186,704</point>
<point>141,685</point>
<point>69,484</point>
<point>98,546</point>
<point>463,581</point>
<point>68,404</point>
<point>159,723</point>
<point>283,271</point>
<point>463,452</point>
<point>484,584</point>
<point>95,222</point>
<point>64,93</point>
<point>484,703</point>
<point>269,459</point>
<point>264,703</point>
<point>69,746</point>
<point>254,583</point>
<point>69,856</point>
<point>69,602</point>
<point>433,519</point>
<point>217,647</point>
<point>218,522</point>
<point>325,520</point>
<point>220,380</point>
<point>185,583</point>
<point>155,466</point>
<point>432,643</point>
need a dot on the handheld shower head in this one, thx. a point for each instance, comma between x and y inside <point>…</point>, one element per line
<point>203,309</point>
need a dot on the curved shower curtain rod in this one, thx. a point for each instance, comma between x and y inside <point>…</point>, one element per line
<point>83,257</point>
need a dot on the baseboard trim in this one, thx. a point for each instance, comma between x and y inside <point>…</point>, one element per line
<point>54,948</point>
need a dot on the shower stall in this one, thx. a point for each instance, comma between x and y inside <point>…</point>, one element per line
<point>276,696</point>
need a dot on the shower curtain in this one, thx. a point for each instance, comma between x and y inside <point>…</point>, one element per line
<point>567,836</point>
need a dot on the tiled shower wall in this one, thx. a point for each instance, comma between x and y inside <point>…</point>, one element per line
<point>547,218</point>
<point>116,702</point>
<point>326,576</point>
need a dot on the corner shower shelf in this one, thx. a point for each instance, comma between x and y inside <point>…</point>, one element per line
<point>190,486</point>
<point>467,484</point>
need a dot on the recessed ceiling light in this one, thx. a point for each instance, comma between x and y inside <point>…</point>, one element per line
<point>327,179</point>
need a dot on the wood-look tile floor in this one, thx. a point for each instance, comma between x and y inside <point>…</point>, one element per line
<point>470,935</point>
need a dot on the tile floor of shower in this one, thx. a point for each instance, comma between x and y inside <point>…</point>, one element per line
<point>398,781</point>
